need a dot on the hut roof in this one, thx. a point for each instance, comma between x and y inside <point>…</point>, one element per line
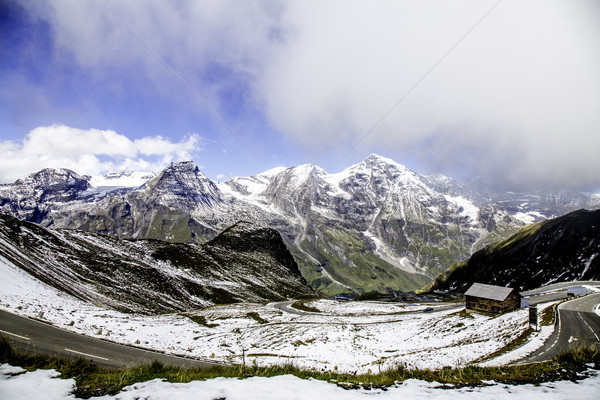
<point>490,292</point>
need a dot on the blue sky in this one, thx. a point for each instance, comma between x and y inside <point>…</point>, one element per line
<point>502,91</point>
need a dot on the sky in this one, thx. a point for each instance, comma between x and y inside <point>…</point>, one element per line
<point>505,92</point>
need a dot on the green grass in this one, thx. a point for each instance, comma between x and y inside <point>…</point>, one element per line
<point>354,268</point>
<point>94,381</point>
<point>518,237</point>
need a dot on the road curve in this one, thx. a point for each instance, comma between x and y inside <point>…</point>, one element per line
<point>577,326</point>
<point>37,337</point>
<point>286,306</point>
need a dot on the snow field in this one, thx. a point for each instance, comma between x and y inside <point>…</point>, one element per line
<point>346,337</point>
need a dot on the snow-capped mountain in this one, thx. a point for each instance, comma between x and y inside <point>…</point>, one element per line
<point>377,225</point>
<point>120,180</point>
<point>34,197</point>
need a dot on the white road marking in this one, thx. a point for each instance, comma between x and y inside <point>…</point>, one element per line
<point>85,354</point>
<point>588,325</point>
<point>15,335</point>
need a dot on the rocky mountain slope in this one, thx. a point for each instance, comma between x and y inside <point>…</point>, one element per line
<point>244,263</point>
<point>375,226</point>
<point>557,250</point>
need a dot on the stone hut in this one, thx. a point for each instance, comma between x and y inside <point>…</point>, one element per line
<point>492,299</point>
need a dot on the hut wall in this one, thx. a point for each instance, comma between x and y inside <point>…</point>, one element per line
<point>512,302</point>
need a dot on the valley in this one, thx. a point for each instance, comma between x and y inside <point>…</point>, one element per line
<point>192,272</point>
<point>338,336</point>
<point>375,226</point>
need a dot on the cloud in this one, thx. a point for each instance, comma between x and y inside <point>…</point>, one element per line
<point>90,152</point>
<point>213,46</point>
<point>516,101</point>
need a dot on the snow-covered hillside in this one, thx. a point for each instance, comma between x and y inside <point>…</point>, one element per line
<point>375,226</point>
<point>241,264</point>
<point>344,337</point>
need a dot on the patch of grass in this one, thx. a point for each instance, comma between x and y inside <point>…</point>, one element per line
<point>548,316</point>
<point>94,381</point>
<point>255,316</point>
<point>464,314</point>
<point>581,357</point>
<point>374,295</point>
<point>518,236</point>
<point>201,320</point>
<point>302,306</point>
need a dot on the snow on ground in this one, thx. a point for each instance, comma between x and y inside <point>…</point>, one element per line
<point>366,308</point>
<point>536,340</point>
<point>529,217</point>
<point>15,383</point>
<point>125,179</point>
<point>469,210</point>
<point>345,337</point>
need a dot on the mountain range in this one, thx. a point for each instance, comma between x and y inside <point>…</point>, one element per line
<point>377,225</point>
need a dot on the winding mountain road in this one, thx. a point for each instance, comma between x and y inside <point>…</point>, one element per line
<point>33,336</point>
<point>577,326</point>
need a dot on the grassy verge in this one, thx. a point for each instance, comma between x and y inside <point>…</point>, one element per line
<point>302,306</point>
<point>548,316</point>
<point>93,381</point>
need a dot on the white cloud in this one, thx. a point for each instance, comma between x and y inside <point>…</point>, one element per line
<point>210,44</point>
<point>516,101</point>
<point>90,152</point>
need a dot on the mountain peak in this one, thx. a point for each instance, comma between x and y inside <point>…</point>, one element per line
<point>272,172</point>
<point>185,180</point>
<point>59,183</point>
<point>183,173</point>
<point>308,169</point>
<point>183,166</point>
<point>49,177</point>
<point>380,161</point>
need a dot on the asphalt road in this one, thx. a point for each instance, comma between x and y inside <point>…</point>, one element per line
<point>578,325</point>
<point>556,291</point>
<point>33,336</point>
<point>559,286</point>
<point>286,306</point>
